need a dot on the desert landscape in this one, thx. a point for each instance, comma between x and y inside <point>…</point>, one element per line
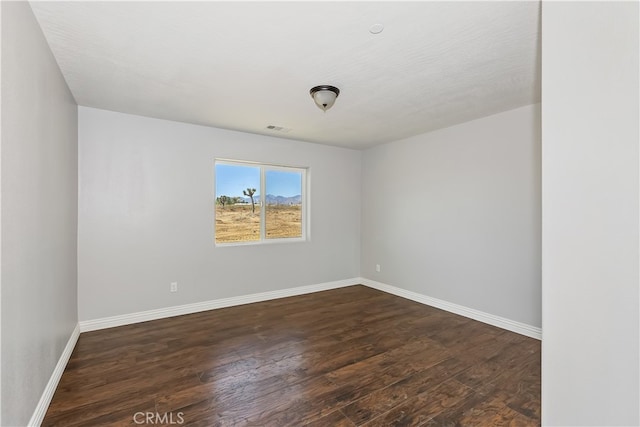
<point>237,223</point>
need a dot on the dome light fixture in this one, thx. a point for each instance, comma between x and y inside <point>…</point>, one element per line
<point>324,96</point>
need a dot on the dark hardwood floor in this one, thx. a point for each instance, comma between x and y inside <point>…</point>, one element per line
<point>345,357</point>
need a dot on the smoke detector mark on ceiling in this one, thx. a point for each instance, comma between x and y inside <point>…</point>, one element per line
<point>376,28</point>
<point>279,129</point>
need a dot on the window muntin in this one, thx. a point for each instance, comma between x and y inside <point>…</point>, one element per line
<point>280,216</point>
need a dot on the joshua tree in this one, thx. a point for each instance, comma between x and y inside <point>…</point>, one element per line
<point>250,192</point>
<point>223,200</point>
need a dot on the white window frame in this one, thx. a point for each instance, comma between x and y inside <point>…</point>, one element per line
<point>264,168</point>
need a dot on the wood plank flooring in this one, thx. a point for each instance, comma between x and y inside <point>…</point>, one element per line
<point>347,357</point>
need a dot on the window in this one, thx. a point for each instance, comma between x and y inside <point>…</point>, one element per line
<point>243,215</point>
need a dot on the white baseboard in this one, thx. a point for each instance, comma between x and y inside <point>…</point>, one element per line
<point>50,389</point>
<point>144,316</point>
<point>500,322</point>
<point>161,313</point>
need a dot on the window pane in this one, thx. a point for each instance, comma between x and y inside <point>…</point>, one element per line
<point>283,209</point>
<point>237,203</point>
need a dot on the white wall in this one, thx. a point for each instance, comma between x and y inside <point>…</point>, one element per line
<point>39,213</point>
<point>454,214</point>
<point>146,215</point>
<point>590,357</point>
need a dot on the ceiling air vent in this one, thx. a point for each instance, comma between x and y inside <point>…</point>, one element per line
<point>278,128</point>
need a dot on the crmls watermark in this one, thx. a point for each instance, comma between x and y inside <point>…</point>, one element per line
<point>156,418</point>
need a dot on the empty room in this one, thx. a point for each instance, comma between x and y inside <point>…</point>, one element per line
<point>320,213</point>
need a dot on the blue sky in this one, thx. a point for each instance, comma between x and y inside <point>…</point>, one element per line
<point>285,184</point>
<point>232,179</point>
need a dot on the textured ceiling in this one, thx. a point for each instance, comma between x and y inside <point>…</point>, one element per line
<point>248,65</point>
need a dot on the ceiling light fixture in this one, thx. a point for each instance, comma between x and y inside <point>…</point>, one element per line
<point>324,96</point>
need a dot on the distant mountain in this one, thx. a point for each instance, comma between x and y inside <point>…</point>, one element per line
<point>281,200</point>
<point>276,200</point>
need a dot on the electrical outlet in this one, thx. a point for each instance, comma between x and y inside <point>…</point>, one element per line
<point>174,287</point>
<point>378,268</point>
